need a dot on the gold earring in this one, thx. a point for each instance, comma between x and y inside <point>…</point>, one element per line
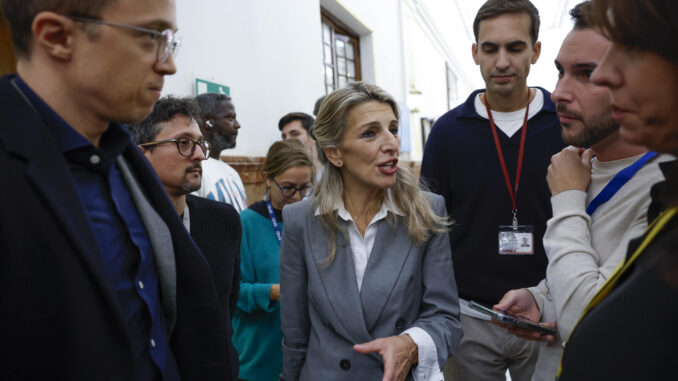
<point>339,162</point>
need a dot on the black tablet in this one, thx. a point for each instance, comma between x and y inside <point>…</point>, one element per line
<point>511,319</point>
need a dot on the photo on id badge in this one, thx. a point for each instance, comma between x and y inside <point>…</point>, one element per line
<point>516,240</point>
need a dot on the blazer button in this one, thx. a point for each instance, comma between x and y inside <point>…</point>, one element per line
<point>345,364</point>
<point>400,324</point>
<point>331,327</point>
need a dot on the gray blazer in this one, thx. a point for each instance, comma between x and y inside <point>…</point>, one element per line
<point>323,314</point>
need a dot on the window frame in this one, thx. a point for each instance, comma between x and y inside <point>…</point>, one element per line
<point>338,31</point>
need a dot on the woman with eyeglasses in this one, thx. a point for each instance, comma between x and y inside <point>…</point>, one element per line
<point>628,331</point>
<point>288,175</point>
<point>367,284</point>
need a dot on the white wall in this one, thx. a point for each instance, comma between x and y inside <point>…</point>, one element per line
<point>267,51</point>
<point>382,19</point>
<point>426,75</point>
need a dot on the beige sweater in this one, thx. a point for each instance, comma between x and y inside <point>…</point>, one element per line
<point>584,250</point>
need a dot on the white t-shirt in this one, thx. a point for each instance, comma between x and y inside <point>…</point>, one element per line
<point>220,182</point>
<point>511,122</point>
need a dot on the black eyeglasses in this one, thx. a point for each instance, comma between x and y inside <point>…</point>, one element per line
<point>290,191</point>
<point>168,43</point>
<point>185,146</point>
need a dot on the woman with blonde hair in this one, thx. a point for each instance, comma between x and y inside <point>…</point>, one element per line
<point>367,285</point>
<point>288,176</point>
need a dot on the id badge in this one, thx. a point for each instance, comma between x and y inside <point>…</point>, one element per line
<point>516,240</point>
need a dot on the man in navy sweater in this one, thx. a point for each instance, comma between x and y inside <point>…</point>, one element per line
<point>488,158</point>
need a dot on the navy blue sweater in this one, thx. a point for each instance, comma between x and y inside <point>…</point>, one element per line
<point>461,164</point>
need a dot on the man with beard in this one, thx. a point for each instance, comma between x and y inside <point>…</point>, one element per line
<point>171,141</point>
<point>598,203</point>
<point>219,126</point>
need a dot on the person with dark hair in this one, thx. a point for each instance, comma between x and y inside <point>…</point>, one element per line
<point>599,204</point>
<point>627,330</point>
<point>297,125</point>
<point>171,141</point>
<point>367,289</point>
<point>219,127</point>
<point>288,177</point>
<point>580,14</point>
<point>488,158</point>
<point>494,8</point>
<point>98,277</point>
<point>318,103</point>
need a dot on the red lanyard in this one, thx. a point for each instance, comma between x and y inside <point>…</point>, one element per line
<point>513,191</point>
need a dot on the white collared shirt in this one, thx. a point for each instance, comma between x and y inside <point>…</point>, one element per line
<point>186,219</point>
<point>361,247</point>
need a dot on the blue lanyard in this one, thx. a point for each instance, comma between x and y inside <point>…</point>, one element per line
<point>274,221</point>
<point>617,182</point>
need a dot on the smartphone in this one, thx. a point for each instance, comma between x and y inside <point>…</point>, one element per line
<point>512,319</point>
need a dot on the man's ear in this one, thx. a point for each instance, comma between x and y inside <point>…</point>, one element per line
<point>53,34</point>
<point>206,128</point>
<point>474,52</point>
<point>536,51</point>
<point>334,156</point>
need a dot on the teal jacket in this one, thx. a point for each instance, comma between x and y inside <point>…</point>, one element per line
<point>256,323</point>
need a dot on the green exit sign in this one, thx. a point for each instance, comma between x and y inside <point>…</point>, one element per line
<point>202,86</point>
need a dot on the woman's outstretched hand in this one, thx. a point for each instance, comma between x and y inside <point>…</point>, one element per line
<point>398,352</point>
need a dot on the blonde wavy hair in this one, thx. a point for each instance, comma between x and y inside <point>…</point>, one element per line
<point>328,131</point>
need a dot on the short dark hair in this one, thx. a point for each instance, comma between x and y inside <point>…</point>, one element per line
<point>20,14</point>
<point>580,15</point>
<point>306,120</point>
<point>209,103</point>
<point>495,8</point>
<point>318,102</point>
<point>165,109</point>
<point>643,25</point>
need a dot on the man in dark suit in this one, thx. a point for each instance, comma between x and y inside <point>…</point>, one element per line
<point>171,140</point>
<point>98,277</point>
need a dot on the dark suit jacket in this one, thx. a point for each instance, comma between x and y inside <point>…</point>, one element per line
<point>59,317</point>
<point>215,227</point>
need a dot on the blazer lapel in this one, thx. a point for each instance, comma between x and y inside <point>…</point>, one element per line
<point>392,246</point>
<point>339,281</point>
<point>161,241</point>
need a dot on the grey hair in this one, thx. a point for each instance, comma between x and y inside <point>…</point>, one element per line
<point>328,131</point>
